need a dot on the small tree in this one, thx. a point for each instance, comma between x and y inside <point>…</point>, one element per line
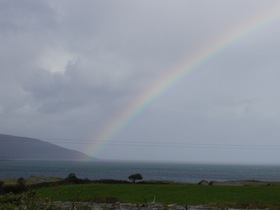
<point>135,177</point>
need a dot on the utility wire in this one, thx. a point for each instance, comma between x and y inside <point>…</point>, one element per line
<point>156,144</point>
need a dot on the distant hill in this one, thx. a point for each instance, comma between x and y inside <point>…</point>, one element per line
<point>22,148</point>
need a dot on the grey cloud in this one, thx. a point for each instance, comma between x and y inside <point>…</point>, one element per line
<point>18,16</point>
<point>72,67</point>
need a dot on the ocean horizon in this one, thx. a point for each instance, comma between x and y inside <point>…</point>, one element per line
<point>120,170</point>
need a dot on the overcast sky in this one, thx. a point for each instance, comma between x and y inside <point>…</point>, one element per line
<point>68,68</point>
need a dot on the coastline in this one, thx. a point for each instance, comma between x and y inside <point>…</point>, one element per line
<point>33,180</point>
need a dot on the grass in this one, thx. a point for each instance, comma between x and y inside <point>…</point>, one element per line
<point>191,194</point>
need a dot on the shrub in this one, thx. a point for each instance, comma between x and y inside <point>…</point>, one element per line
<point>72,178</point>
<point>1,187</point>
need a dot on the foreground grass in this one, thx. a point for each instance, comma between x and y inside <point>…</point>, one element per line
<point>223,196</point>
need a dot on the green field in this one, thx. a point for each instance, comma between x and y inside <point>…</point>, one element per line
<point>191,194</point>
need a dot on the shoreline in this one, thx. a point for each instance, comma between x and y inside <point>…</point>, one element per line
<point>33,180</point>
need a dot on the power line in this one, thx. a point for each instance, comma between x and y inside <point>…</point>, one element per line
<point>157,144</point>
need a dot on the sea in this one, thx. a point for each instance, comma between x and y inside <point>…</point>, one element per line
<point>178,172</point>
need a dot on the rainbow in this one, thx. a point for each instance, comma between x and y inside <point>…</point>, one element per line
<point>175,74</point>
